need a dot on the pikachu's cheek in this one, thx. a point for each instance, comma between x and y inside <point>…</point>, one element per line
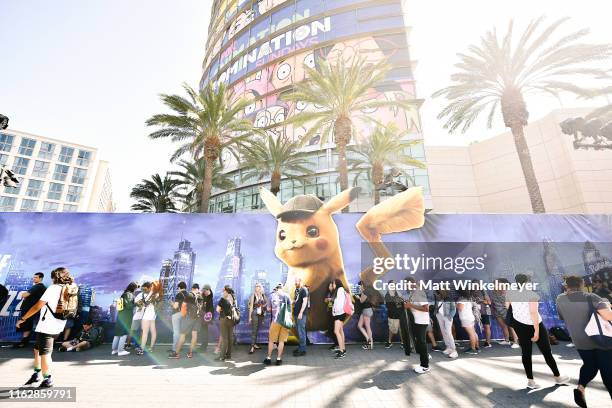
<point>322,244</point>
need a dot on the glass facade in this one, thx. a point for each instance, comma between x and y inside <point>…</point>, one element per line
<point>261,48</point>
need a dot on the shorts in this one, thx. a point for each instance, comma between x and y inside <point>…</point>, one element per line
<point>394,325</point>
<point>278,333</point>
<point>44,343</point>
<point>368,312</point>
<point>485,319</point>
<point>189,324</point>
<point>86,346</point>
<point>468,323</point>
<point>340,317</point>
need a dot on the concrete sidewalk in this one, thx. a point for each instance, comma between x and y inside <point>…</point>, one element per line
<point>376,378</point>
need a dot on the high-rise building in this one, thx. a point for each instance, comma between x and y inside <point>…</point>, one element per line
<point>260,276</point>
<point>54,175</point>
<point>284,272</point>
<point>260,50</point>
<point>178,269</point>
<point>16,282</point>
<point>232,269</point>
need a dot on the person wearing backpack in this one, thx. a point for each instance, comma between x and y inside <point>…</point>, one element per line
<point>190,322</point>
<point>89,336</point>
<point>177,316</point>
<point>342,304</point>
<point>125,308</point>
<point>278,332</point>
<point>258,303</point>
<point>576,308</point>
<point>226,309</point>
<point>51,322</point>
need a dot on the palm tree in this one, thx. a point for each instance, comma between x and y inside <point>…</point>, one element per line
<point>340,90</point>
<point>207,123</point>
<point>500,73</point>
<point>156,195</point>
<point>273,157</point>
<point>192,178</point>
<point>384,148</point>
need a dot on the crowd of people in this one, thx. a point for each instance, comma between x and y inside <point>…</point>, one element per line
<point>414,317</point>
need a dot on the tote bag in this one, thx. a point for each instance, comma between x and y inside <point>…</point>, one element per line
<point>284,316</point>
<point>599,329</point>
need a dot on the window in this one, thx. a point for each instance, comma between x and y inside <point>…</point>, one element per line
<point>14,190</point>
<point>74,194</point>
<point>3,159</point>
<point>34,188</point>
<point>27,146</point>
<point>78,176</point>
<point>7,203</point>
<point>20,166</point>
<point>69,208</point>
<point>65,155</point>
<point>6,142</point>
<point>28,205</point>
<point>41,169</point>
<point>50,207</point>
<point>55,191</point>
<point>46,150</point>
<point>61,171</point>
<point>83,158</point>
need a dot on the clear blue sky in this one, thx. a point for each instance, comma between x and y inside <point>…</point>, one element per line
<point>90,71</point>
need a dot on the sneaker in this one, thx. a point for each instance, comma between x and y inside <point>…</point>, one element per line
<point>562,380</point>
<point>34,378</point>
<point>332,347</point>
<point>421,370</point>
<point>46,383</point>
<point>447,351</point>
<point>139,351</point>
<point>128,346</point>
<point>515,346</point>
<point>532,385</point>
<point>123,353</point>
<point>504,343</point>
<point>579,398</point>
<point>174,355</point>
<point>471,351</point>
<point>62,349</point>
<point>113,352</point>
<point>220,358</point>
<point>571,345</point>
<point>437,348</point>
<point>487,345</point>
<point>190,354</point>
<point>453,354</point>
<point>340,354</point>
<point>388,345</point>
<point>279,362</point>
<point>267,361</point>
<point>429,356</point>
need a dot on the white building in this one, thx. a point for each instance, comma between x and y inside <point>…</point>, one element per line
<point>54,175</point>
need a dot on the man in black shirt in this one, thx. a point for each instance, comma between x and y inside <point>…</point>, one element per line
<point>300,313</point>
<point>191,322</point>
<point>179,298</point>
<point>30,298</point>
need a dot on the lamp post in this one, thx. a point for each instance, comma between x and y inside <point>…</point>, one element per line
<point>591,134</point>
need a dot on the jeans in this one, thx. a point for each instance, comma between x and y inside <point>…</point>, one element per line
<point>420,343</point>
<point>227,337</point>
<point>256,321</point>
<point>446,327</point>
<point>176,329</point>
<point>119,343</point>
<point>301,329</point>
<point>525,333</point>
<point>204,336</point>
<point>593,361</point>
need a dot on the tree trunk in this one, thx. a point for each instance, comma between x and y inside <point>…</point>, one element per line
<point>377,180</point>
<point>537,204</point>
<point>275,182</point>
<point>342,136</point>
<point>212,147</point>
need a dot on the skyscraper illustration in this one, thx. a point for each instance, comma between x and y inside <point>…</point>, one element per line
<point>178,269</point>
<point>260,276</point>
<point>232,269</point>
<point>16,281</point>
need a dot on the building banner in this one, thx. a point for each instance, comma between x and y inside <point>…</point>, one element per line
<point>105,252</point>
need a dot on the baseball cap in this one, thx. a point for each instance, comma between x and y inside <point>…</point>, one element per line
<point>300,206</point>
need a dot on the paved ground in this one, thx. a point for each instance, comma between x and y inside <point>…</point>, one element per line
<point>377,378</point>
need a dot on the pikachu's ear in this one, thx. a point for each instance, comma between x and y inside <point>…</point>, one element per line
<point>271,201</point>
<point>341,200</point>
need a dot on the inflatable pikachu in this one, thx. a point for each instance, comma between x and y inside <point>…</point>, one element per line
<point>307,239</point>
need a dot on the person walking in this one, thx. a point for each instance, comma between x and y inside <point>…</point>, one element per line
<point>576,307</point>
<point>338,311</point>
<point>528,325</point>
<point>30,298</point>
<point>48,326</point>
<point>177,316</point>
<point>445,310</point>
<point>364,323</point>
<point>300,314</point>
<point>278,333</point>
<point>225,310</point>
<point>125,308</point>
<point>258,304</point>
<point>419,306</point>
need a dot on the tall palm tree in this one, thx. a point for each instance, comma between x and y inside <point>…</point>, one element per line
<point>156,195</point>
<point>273,157</point>
<point>192,178</point>
<point>500,72</point>
<point>385,147</point>
<point>206,123</point>
<point>340,90</point>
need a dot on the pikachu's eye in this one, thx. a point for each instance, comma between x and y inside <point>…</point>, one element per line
<point>282,235</point>
<point>312,231</point>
